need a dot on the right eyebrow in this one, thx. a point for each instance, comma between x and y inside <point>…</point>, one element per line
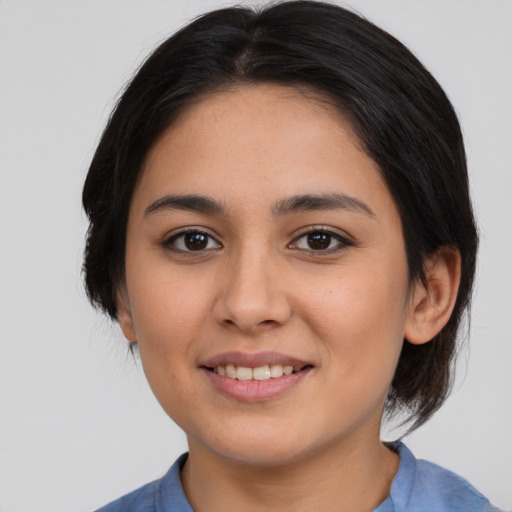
<point>193,203</point>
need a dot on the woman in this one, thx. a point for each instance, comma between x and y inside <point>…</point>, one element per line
<point>280,220</point>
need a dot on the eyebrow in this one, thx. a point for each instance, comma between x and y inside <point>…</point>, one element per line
<point>330,201</point>
<point>193,203</point>
<point>298,203</point>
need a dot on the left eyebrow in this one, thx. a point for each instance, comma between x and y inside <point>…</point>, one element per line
<point>329,201</point>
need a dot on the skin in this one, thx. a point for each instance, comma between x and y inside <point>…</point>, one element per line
<point>258,286</point>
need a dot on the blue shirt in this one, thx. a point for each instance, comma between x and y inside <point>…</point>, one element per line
<point>419,486</point>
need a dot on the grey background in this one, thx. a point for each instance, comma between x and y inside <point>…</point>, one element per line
<point>78,426</point>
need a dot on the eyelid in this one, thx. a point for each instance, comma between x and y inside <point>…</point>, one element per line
<point>344,239</point>
<point>179,232</point>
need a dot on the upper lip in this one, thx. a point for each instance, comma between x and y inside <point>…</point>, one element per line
<point>254,360</point>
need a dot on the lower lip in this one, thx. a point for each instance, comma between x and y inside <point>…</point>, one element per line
<point>255,390</point>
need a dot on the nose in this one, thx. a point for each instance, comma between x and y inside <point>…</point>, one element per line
<point>252,296</point>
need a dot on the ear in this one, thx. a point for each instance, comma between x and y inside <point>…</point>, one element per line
<point>124,315</point>
<point>432,302</point>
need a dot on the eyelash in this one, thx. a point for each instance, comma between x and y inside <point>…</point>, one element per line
<point>343,243</point>
<point>170,242</point>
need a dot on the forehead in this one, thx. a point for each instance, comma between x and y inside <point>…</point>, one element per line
<point>260,142</point>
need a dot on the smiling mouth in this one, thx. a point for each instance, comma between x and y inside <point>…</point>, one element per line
<point>265,372</point>
<point>255,377</point>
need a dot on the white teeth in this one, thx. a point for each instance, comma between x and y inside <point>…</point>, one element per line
<point>276,371</point>
<point>231,371</point>
<point>260,373</point>
<point>243,373</point>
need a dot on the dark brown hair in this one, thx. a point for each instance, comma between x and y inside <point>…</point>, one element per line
<point>403,118</point>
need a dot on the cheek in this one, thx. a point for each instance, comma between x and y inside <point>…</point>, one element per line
<point>360,313</point>
<point>168,308</point>
<point>168,313</point>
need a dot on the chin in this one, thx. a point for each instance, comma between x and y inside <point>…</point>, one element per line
<point>263,446</point>
<point>257,455</point>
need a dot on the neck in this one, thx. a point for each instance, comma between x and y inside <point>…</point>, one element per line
<point>353,477</point>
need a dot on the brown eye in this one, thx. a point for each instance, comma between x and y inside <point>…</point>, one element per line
<point>319,241</point>
<point>195,241</point>
<point>192,241</point>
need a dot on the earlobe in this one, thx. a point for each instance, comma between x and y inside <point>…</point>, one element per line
<point>432,302</point>
<point>124,316</point>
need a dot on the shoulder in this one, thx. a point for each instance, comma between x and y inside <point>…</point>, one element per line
<point>451,490</point>
<point>432,486</point>
<point>140,500</point>
<point>161,495</point>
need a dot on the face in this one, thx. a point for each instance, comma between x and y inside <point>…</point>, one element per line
<point>261,241</point>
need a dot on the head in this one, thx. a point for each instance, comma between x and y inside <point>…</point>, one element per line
<point>397,112</point>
